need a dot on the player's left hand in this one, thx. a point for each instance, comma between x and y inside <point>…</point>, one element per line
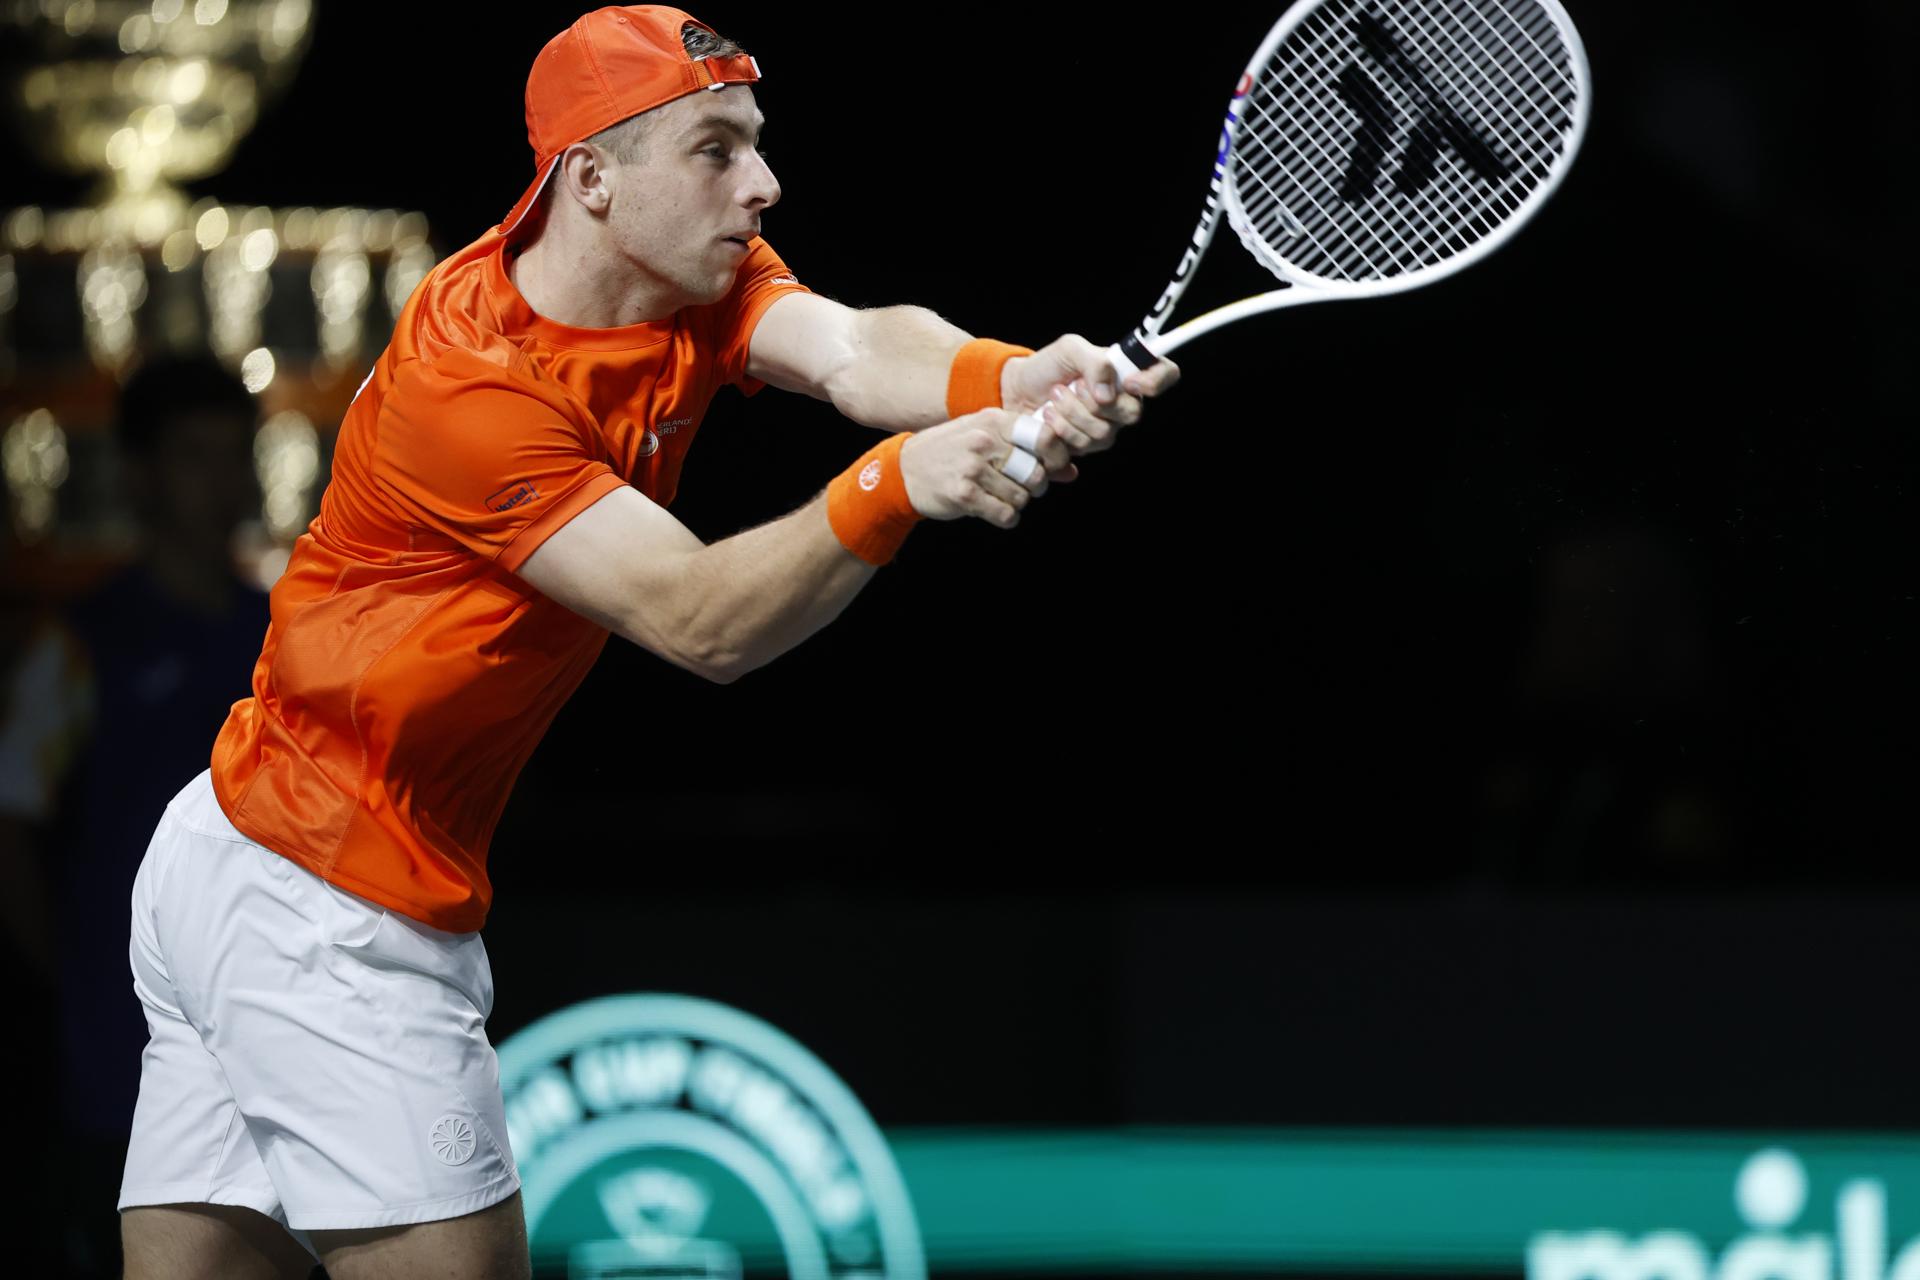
<point>1070,382</point>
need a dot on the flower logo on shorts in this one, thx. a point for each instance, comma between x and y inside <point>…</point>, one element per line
<point>870,475</point>
<point>452,1140</point>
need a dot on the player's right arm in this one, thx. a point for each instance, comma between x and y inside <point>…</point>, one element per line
<point>723,609</point>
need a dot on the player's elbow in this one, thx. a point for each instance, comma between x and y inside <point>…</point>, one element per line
<point>884,351</point>
<point>689,617</point>
<point>716,663</point>
<point>709,649</point>
<point>719,668</point>
<point>847,389</point>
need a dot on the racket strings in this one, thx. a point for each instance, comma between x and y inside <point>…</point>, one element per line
<point>1296,122</point>
<point>1302,117</point>
<point>1554,99</point>
<point>1503,200</point>
<point>1277,220</point>
<point>1432,216</point>
<point>1452,185</point>
<point>1420,215</point>
<point>1385,136</point>
<point>1271,129</point>
<point>1466,66</point>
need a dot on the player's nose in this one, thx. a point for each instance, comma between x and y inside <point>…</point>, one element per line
<point>763,189</point>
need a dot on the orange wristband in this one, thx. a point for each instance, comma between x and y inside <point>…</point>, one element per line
<point>974,381</point>
<point>867,503</point>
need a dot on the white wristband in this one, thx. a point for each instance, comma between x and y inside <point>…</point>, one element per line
<point>1020,465</point>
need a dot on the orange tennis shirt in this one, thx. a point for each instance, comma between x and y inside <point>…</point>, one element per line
<point>407,672</point>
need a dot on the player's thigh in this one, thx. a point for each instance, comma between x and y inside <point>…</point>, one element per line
<point>350,1038</point>
<point>488,1245</point>
<point>165,1241</point>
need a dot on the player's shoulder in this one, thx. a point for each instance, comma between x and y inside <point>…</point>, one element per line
<point>461,309</point>
<point>761,278</point>
<point>763,268</point>
<point>460,334</point>
<point>488,391</point>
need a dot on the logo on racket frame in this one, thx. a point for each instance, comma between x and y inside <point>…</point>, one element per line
<point>1204,232</point>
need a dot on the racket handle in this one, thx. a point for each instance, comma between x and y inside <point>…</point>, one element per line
<point>1130,355</point>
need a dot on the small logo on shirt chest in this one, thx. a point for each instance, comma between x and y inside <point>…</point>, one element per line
<point>650,438</point>
<point>521,491</point>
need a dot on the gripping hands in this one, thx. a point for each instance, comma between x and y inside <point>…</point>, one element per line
<point>1061,402</point>
<point>955,469</point>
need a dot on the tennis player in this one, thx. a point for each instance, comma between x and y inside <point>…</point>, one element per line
<point>318,1080</point>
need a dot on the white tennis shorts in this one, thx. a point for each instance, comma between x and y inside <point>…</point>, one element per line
<point>313,1056</point>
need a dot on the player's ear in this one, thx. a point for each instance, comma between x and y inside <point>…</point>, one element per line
<point>584,175</point>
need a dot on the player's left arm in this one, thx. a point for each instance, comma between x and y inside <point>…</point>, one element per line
<point>889,368</point>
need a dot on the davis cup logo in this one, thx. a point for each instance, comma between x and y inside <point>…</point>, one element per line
<point>668,1136</point>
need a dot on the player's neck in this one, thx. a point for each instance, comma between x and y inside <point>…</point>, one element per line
<point>571,284</point>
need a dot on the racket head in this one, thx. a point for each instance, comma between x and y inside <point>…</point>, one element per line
<point>1380,145</point>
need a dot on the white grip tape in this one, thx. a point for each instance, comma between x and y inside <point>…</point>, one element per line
<point>1121,365</point>
<point>1026,432</point>
<point>1020,465</point>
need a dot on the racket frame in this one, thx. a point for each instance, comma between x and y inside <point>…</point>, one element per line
<point>1302,287</point>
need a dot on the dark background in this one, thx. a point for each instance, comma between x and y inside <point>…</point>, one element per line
<point>1485,705</point>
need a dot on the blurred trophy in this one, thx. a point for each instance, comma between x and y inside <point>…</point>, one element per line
<point>297,301</point>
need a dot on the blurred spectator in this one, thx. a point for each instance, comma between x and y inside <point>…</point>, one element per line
<point>107,713</point>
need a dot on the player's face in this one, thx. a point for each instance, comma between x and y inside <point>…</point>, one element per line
<point>685,211</point>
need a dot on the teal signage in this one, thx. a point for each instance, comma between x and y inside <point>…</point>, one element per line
<point>665,1136</point>
<point>1554,1206</point>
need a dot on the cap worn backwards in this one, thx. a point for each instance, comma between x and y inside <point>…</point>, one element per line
<point>610,65</point>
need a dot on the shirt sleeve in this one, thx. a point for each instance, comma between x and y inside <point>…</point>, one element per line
<point>494,458</point>
<point>762,278</point>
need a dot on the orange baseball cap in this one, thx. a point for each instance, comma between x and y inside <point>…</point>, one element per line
<point>609,65</point>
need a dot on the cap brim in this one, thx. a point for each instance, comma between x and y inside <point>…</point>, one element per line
<point>527,201</point>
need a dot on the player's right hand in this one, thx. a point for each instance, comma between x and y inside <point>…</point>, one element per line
<point>953,470</point>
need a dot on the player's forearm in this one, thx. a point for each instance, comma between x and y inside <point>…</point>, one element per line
<point>895,374</point>
<point>745,600</point>
<point>724,609</point>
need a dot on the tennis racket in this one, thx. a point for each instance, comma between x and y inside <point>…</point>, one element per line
<point>1376,146</point>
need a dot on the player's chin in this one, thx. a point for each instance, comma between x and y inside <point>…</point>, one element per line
<point>710,281</point>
